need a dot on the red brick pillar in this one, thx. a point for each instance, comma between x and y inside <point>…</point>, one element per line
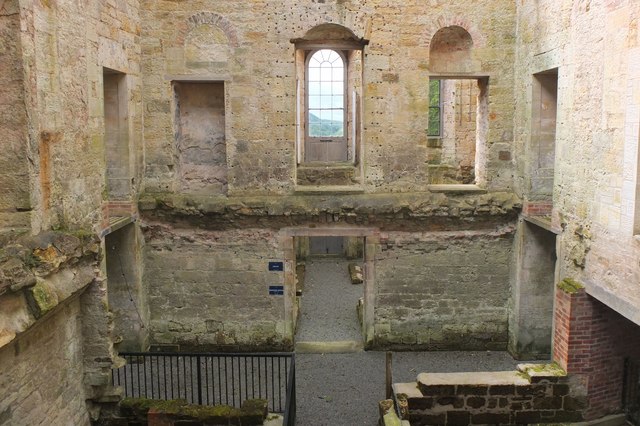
<point>590,343</point>
<point>573,327</point>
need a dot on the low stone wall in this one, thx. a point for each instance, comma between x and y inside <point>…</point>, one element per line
<point>136,411</point>
<point>533,394</point>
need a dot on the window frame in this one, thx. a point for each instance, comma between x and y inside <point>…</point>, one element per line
<point>345,102</point>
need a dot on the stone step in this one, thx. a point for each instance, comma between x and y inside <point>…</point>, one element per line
<point>336,347</point>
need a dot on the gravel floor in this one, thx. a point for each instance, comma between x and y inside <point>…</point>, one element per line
<point>344,389</point>
<point>329,300</point>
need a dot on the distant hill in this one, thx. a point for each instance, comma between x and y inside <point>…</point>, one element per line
<point>320,127</point>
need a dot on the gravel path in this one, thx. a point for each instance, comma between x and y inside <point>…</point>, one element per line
<point>344,389</point>
<point>329,300</point>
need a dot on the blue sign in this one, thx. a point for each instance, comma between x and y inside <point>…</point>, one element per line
<point>276,290</point>
<point>276,266</point>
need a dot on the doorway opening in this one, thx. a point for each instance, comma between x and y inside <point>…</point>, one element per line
<point>330,290</point>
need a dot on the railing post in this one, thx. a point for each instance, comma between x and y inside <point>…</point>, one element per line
<point>199,375</point>
<point>389,377</point>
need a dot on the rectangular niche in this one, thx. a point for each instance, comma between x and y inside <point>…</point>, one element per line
<point>456,128</point>
<point>544,109</point>
<point>200,136</point>
<point>116,134</point>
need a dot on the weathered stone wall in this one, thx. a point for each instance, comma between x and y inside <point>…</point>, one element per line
<point>596,48</point>
<point>443,290</point>
<point>248,47</point>
<point>65,46</point>
<point>209,289</point>
<point>41,372</point>
<point>15,202</point>
<point>531,309</point>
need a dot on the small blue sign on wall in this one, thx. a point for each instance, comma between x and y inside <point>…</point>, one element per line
<point>276,290</point>
<point>276,266</point>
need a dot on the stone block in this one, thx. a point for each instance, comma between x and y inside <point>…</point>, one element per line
<point>436,390</point>
<point>490,418</point>
<point>458,418</point>
<point>547,403</point>
<point>527,417</point>
<point>472,389</point>
<point>417,419</point>
<point>476,402</point>
<point>502,390</point>
<point>41,299</point>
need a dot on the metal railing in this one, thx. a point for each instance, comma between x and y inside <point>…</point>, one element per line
<point>211,378</point>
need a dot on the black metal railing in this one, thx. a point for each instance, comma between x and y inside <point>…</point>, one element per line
<point>211,378</point>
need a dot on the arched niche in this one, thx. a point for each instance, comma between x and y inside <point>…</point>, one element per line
<point>205,44</point>
<point>451,51</point>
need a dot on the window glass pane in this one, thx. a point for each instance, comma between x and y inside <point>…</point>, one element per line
<point>325,102</point>
<point>337,102</point>
<point>337,74</point>
<point>434,93</point>
<point>314,88</point>
<point>314,74</point>
<point>337,123</point>
<point>337,88</point>
<point>434,122</point>
<point>314,101</point>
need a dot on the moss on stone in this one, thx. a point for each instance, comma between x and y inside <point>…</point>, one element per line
<point>41,299</point>
<point>570,286</point>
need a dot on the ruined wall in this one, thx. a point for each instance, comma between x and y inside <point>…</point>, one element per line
<point>15,201</point>
<point>41,373</point>
<point>441,291</point>
<point>596,48</point>
<point>209,289</point>
<point>248,48</point>
<point>65,47</point>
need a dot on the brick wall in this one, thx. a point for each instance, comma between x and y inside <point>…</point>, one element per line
<point>591,342</point>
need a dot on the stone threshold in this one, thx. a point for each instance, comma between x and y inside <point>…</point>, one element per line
<point>335,347</point>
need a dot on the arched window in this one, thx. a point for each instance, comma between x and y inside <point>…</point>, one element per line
<point>326,95</point>
<point>329,86</point>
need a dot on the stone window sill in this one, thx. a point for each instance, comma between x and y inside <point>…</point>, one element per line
<point>457,188</point>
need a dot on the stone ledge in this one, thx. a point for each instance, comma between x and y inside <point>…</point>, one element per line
<point>329,189</point>
<point>488,378</point>
<point>470,188</point>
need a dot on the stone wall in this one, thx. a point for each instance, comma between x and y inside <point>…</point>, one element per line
<point>66,47</point>
<point>439,291</point>
<point>249,49</point>
<point>41,372</point>
<point>596,50</point>
<point>15,203</point>
<point>209,289</point>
